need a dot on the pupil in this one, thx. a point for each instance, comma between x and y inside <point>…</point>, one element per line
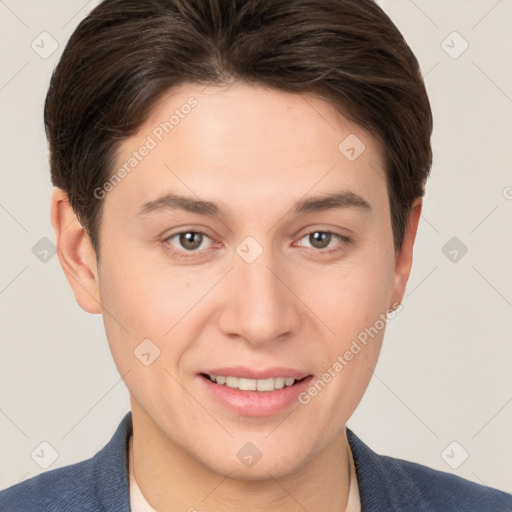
<point>320,239</point>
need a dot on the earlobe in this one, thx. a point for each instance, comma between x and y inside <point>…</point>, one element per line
<point>75,252</point>
<point>403,259</point>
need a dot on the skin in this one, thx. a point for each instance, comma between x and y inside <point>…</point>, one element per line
<point>256,152</point>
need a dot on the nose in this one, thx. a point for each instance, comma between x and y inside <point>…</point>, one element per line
<point>260,305</point>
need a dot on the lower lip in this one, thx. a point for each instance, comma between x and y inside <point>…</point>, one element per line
<point>256,403</point>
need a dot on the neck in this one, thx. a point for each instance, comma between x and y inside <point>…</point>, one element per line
<point>172,480</point>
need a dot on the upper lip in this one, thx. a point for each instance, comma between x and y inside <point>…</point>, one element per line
<point>257,373</point>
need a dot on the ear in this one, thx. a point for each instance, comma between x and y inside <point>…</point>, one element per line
<point>403,258</point>
<point>75,252</point>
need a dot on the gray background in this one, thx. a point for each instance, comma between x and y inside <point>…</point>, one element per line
<point>444,376</point>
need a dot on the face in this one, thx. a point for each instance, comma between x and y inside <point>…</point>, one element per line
<point>221,256</point>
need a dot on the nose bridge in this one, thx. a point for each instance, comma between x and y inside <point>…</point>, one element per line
<point>260,307</point>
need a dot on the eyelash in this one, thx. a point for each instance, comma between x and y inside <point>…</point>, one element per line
<point>193,254</point>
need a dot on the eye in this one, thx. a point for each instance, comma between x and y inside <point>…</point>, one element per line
<point>322,240</point>
<point>191,241</point>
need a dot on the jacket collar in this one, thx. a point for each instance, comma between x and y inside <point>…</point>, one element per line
<point>111,469</point>
<point>384,484</point>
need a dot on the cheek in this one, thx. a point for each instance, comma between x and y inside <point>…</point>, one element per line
<point>146,294</point>
<point>142,313</point>
<point>354,306</point>
<point>147,300</point>
<point>348,298</point>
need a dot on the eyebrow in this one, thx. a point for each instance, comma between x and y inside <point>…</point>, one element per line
<point>333,201</point>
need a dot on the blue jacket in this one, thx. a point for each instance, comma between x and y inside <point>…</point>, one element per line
<point>100,484</point>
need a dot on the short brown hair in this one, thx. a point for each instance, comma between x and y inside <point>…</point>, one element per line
<point>126,54</point>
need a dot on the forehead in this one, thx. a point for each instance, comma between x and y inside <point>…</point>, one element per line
<point>247,147</point>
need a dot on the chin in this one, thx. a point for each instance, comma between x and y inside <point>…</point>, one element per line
<point>277,465</point>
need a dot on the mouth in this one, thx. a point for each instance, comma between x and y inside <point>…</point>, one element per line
<point>254,393</point>
<point>246,384</point>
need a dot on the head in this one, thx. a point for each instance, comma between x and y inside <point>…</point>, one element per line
<point>241,184</point>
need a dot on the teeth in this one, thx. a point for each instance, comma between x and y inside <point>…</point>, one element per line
<point>266,384</point>
<point>232,382</point>
<point>253,384</point>
<point>279,382</point>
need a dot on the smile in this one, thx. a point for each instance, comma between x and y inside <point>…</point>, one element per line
<point>243,384</point>
<point>254,397</point>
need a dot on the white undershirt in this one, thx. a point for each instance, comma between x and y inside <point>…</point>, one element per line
<point>138,502</point>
